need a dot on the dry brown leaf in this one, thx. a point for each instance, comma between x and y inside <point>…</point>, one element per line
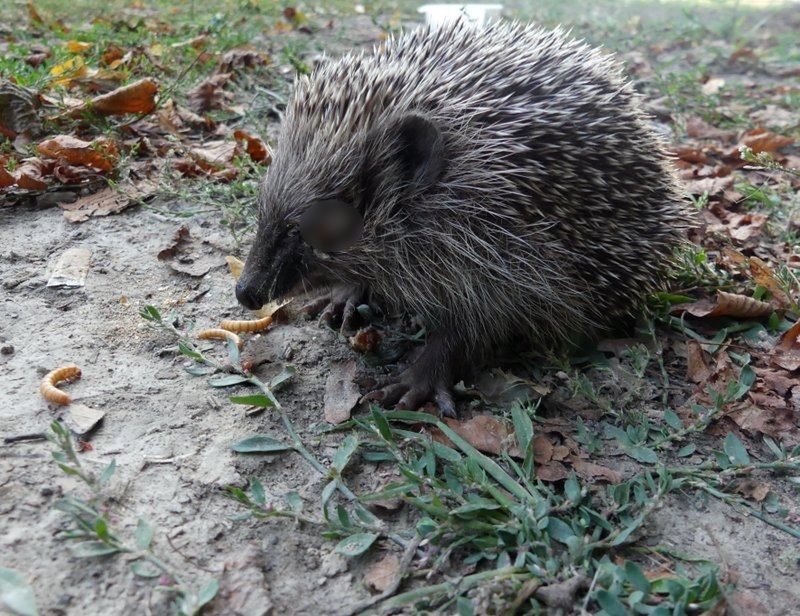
<point>713,186</point>
<point>727,304</point>
<point>241,58</point>
<point>30,174</point>
<point>552,471</point>
<point>778,423</point>
<point>750,488</point>
<point>763,140</point>
<point>697,369</point>
<point>111,54</point>
<point>365,340</point>
<point>185,256</point>
<point>589,470</point>
<point>790,339</point>
<point>779,382</point>
<point>742,227</point>
<point>6,179</point>
<point>382,574</point>
<point>137,97</point>
<point>772,115</point>
<point>64,73</point>
<point>34,14</point>
<point>765,276</point>
<point>485,433</point>
<point>691,154</point>
<point>700,129</point>
<point>788,360</point>
<point>254,146</point>
<point>542,449</point>
<point>341,392</point>
<point>208,94</point>
<point>106,201</point>
<point>214,155</point>
<point>102,153</point>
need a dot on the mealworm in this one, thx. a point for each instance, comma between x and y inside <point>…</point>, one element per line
<point>246,326</point>
<point>48,387</point>
<point>219,334</point>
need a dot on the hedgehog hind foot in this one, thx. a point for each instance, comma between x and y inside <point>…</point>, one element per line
<point>429,378</point>
<point>409,391</point>
<point>337,308</point>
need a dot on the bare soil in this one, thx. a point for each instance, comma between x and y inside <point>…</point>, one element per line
<point>171,434</point>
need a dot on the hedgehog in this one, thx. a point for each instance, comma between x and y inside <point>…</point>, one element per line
<point>500,183</point>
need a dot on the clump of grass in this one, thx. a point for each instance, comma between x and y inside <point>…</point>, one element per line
<point>93,530</point>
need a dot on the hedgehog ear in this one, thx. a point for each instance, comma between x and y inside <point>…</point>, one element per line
<point>421,150</point>
<point>411,144</point>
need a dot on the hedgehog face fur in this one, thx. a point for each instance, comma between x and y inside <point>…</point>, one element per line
<point>501,183</point>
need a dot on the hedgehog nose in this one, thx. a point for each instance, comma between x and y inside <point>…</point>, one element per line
<point>247,294</point>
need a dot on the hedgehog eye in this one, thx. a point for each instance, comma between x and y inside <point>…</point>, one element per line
<point>331,225</point>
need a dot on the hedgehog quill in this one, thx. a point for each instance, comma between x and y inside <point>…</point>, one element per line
<point>500,183</point>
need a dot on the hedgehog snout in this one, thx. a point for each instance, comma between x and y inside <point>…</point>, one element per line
<point>248,292</point>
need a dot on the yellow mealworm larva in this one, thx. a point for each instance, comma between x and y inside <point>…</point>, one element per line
<point>48,387</point>
<point>219,334</point>
<point>241,327</point>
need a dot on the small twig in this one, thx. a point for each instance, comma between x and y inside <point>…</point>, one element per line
<point>32,436</point>
<point>188,558</point>
<point>402,570</point>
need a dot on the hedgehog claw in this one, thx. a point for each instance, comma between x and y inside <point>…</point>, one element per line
<point>410,392</point>
<point>339,306</point>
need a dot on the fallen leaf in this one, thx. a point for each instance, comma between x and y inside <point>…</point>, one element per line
<point>256,149</point>
<point>772,115</point>
<point>341,392</point>
<point>503,388</point>
<point>727,304</point>
<point>763,140</point>
<point>208,94</point>
<point>711,186</point>
<point>106,201</point>
<point>68,70</point>
<point>365,340</point>
<point>81,419</point>
<point>74,46</point>
<point>6,179</point>
<point>101,153</point>
<point>552,471</point>
<point>697,369</point>
<point>382,574</point>
<point>590,470</point>
<point>691,154</point>
<point>790,339</point>
<point>542,449</point>
<point>765,276</point>
<point>742,227</point>
<point>136,97</point>
<point>29,175</point>
<point>700,129</point>
<point>778,423</point>
<point>485,433</point>
<point>241,58</point>
<point>185,261</point>
<point>779,382</point>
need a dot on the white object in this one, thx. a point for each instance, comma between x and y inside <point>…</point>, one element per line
<point>478,14</point>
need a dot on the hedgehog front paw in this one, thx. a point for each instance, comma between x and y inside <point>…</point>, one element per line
<point>411,389</point>
<point>337,308</point>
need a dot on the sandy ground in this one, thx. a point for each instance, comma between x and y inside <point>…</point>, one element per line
<point>156,410</point>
